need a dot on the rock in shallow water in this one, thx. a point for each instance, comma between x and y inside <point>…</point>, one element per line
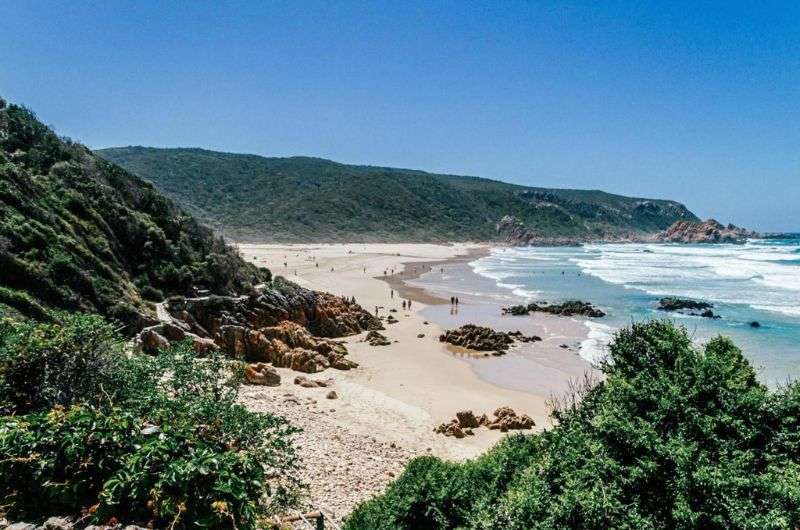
<point>565,309</point>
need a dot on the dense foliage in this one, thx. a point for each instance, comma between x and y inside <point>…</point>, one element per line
<point>161,440</point>
<point>675,437</point>
<point>305,199</point>
<point>77,232</point>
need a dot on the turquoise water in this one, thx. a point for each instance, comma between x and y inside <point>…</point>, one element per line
<point>757,281</point>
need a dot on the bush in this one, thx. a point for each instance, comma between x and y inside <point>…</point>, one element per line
<point>169,446</point>
<point>675,437</point>
<point>151,293</point>
<point>43,365</point>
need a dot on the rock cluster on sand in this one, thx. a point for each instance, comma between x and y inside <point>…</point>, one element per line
<point>481,338</point>
<point>374,338</point>
<point>505,419</point>
<point>566,309</point>
<point>687,307</point>
<point>709,231</point>
<point>290,330</point>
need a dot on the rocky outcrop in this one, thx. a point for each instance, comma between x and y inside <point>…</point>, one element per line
<point>688,307</point>
<point>480,338</point>
<point>322,314</point>
<point>160,336</point>
<point>566,309</point>
<point>505,419</point>
<point>709,231</point>
<point>515,233</point>
<point>290,328</point>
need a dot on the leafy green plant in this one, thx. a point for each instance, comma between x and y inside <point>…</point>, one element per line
<point>75,360</point>
<point>167,443</point>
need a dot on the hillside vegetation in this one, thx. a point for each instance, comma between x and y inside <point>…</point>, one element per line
<point>80,233</point>
<point>676,436</point>
<point>304,199</point>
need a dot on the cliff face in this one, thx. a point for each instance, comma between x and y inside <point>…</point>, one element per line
<point>516,233</point>
<point>709,231</point>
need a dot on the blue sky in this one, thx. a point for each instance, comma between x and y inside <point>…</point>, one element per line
<point>694,101</point>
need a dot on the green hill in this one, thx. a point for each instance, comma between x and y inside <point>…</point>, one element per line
<point>302,199</point>
<point>80,233</point>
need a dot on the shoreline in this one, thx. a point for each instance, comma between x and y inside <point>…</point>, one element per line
<point>399,280</point>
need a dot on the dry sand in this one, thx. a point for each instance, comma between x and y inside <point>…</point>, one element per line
<point>387,408</point>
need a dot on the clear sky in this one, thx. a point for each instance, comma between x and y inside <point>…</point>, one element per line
<point>695,101</point>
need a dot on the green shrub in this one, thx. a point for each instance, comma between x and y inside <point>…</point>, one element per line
<point>146,439</point>
<point>676,436</point>
<point>43,365</point>
<point>24,303</point>
<point>151,293</point>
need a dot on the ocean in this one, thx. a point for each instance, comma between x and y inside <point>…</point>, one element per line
<point>757,281</point>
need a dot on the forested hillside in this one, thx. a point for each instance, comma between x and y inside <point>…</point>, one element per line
<point>304,199</point>
<point>80,233</point>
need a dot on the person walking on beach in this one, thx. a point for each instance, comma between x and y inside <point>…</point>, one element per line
<point>456,300</point>
<point>391,293</point>
<point>409,304</point>
<point>404,304</point>
<point>452,300</point>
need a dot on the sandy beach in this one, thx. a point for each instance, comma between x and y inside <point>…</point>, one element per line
<point>387,408</point>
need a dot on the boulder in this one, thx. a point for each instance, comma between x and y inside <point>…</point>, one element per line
<point>332,395</point>
<point>376,339</point>
<point>467,419</point>
<point>261,374</point>
<point>340,362</point>
<point>150,341</point>
<point>305,382</point>
<point>450,429</point>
